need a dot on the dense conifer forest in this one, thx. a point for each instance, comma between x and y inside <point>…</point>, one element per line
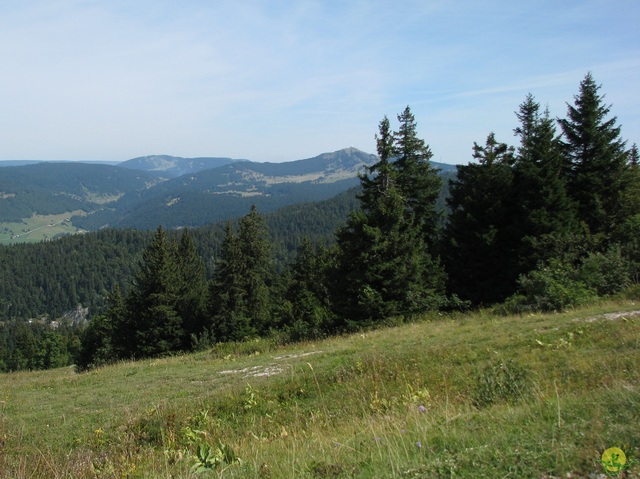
<point>550,222</point>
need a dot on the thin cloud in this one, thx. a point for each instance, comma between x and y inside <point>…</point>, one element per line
<point>113,80</point>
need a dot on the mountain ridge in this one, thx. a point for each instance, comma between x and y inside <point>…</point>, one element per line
<point>174,166</point>
<point>147,191</point>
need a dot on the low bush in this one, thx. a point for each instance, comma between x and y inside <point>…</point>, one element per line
<point>551,287</point>
<point>501,382</point>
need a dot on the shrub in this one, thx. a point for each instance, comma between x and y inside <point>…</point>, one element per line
<point>550,287</point>
<point>627,235</point>
<point>606,273</point>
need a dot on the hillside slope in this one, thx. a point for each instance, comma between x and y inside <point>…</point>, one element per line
<point>148,191</point>
<point>49,188</point>
<point>82,269</point>
<point>228,191</point>
<point>174,166</point>
<point>471,397</point>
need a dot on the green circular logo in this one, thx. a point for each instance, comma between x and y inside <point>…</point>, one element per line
<point>614,460</point>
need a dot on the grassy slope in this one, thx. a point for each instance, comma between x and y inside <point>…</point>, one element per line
<point>397,402</point>
<point>38,228</point>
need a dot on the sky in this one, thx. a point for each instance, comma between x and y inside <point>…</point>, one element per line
<point>281,80</point>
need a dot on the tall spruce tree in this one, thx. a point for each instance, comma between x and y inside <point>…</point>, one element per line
<point>192,290</point>
<point>627,233</point>
<point>380,176</point>
<point>152,301</point>
<point>544,213</point>
<point>480,241</point>
<point>305,310</point>
<point>240,295</point>
<point>595,159</point>
<point>120,342</point>
<point>384,266</point>
<point>418,181</point>
<point>231,321</point>
<point>256,252</point>
<point>630,202</point>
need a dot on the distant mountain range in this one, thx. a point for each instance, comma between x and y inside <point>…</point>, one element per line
<point>174,166</point>
<point>35,162</point>
<point>160,189</point>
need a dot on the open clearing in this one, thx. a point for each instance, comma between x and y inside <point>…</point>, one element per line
<point>468,396</point>
<point>39,228</point>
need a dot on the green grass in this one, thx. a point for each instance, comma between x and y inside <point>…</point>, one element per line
<point>472,396</point>
<point>38,228</point>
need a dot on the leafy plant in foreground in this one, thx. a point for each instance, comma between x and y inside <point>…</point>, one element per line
<point>501,381</point>
<point>209,459</point>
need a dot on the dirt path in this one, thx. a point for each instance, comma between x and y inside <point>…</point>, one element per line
<point>609,316</point>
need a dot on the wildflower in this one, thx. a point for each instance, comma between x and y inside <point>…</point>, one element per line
<point>421,408</point>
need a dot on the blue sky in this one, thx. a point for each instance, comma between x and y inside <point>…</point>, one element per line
<point>283,80</point>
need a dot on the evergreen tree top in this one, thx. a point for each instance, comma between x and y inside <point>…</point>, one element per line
<point>410,148</point>
<point>588,133</point>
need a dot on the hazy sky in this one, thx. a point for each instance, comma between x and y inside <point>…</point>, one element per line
<point>283,80</point>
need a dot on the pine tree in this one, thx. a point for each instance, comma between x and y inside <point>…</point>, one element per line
<point>107,337</point>
<point>255,248</point>
<point>306,309</point>
<point>634,157</point>
<point>595,159</point>
<point>151,302</point>
<point>627,234</point>
<point>118,333</point>
<point>418,181</point>
<point>231,321</point>
<point>241,302</point>
<point>381,176</point>
<point>630,200</point>
<point>544,212</point>
<point>384,267</point>
<point>480,242</point>
<point>192,290</point>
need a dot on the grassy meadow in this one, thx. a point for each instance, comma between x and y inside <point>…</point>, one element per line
<point>469,396</point>
<point>38,228</point>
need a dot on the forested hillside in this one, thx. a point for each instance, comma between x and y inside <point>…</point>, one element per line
<point>51,278</point>
<point>173,166</point>
<point>49,200</point>
<point>228,191</point>
<point>548,223</point>
<point>48,188</point>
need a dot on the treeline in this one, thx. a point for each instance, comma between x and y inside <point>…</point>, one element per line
<point>48,281</point>
<point>38,344</point>
<point>551,222</point>
<point>53,277</point>
<point>381,266</point>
